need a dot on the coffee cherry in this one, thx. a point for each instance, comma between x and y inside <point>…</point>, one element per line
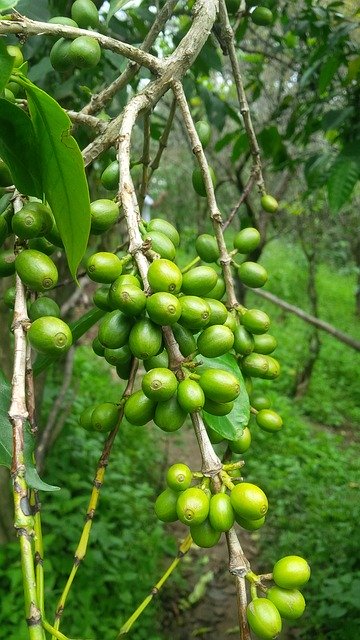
<point>163,308</point>
<point>159,384</point>
<point>291,572</point>
<point>85,419</point>
<point>203,130</point>
<point>219,385</point>
<point>207,248</point>
<point>114,330</point>
<point>60,57</point>
<point>241,444</point>
<point>68,22</point>
<point>218,312</point>
<point>255,321</point>
<point>123,370</point>
<point>249,501</point>
<point>264,343</point>
<point>231,321</point>
<point>262,16</point>
<point>84,52</point>
<point>105,417</point>
<point>43,307</point>
<point>195,312</point>
<point>145,339</point>
<point>161,244</point>
<point>269,203</point>
<point>9,299</point>
<point>104,213</point>
<point>121,355</point>
<point>221,513</point>
<point>215,341</point>
<point>250,525</point>
<point>4,230</point>
<point>218,291</point>
<point>199,280</point>
<point>36,270</point>
<point>169,415</point>
<point>243,341</point>
<point>85,14</point>
<point>192,506</point>
<point>247,240</point>
<point>50,335</point>
<point>198,180</point>
<point>214,437</point>
<point>264,618</point>
<point>179,477</point>
<point>260,366</point>
<point>164,275</point>
<point>166,228</point>
<point>185,339</point>
<point>190,395</point>
<point>160,360</point>
<point>97,347</point>
<point>43,245</point>
<point>204,535</point>
<point>101,298</point>
<point>130,299</point>
<point>289,602</point>
<point>103,267</point>
<point>139,409</point>
<point>33,220</point>
<point>218,408</point>
<point>260,402</point>
<point>165,506</point>
<point>110,176</point>
<point>252,274</point>
<point>269,420</point>
<point>16,53</point>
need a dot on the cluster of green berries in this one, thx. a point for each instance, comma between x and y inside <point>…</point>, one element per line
<point>83,52</point>
<point>283,600</point>
<point>209,514</point>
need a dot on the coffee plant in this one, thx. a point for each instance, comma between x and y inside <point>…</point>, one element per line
<point>178,338</point>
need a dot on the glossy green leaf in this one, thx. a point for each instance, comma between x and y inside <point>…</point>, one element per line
<point>6,65</point>
<point>7,4</point>
<point>19,149</point>
<point>232,425</point>
<point>63,172</point>
<point>78,329</point>
<point>115,5</point>
<point>343,176</point>
<point>31,475</point>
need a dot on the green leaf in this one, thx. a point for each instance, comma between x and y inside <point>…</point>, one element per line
<point>115,5</point>
<point>6,65</point>
<point>18,148</point>
<point>241,146</point>
<point>223,142</point>
<point>63,172</point>
<point>232,425</point>
<point>327,73</point>
<point>343,176</point>
<point>31,475</point>
<point>78,328</point>
<point>7,4</point>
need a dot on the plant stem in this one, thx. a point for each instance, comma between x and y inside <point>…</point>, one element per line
<point>18,415</point>
<point>183,549</point>
<point>94,498</point>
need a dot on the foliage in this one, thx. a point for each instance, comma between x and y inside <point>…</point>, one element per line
<point>124,531</point>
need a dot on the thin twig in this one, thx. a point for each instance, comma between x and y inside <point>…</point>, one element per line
<point>98,101</point>
<point>26,26</point>
<point>94,498</point>
<point>228,35</point>
<point>145,159</point>
<point>214,212</point>
<point>247,189</point>
<point>163,139</point>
